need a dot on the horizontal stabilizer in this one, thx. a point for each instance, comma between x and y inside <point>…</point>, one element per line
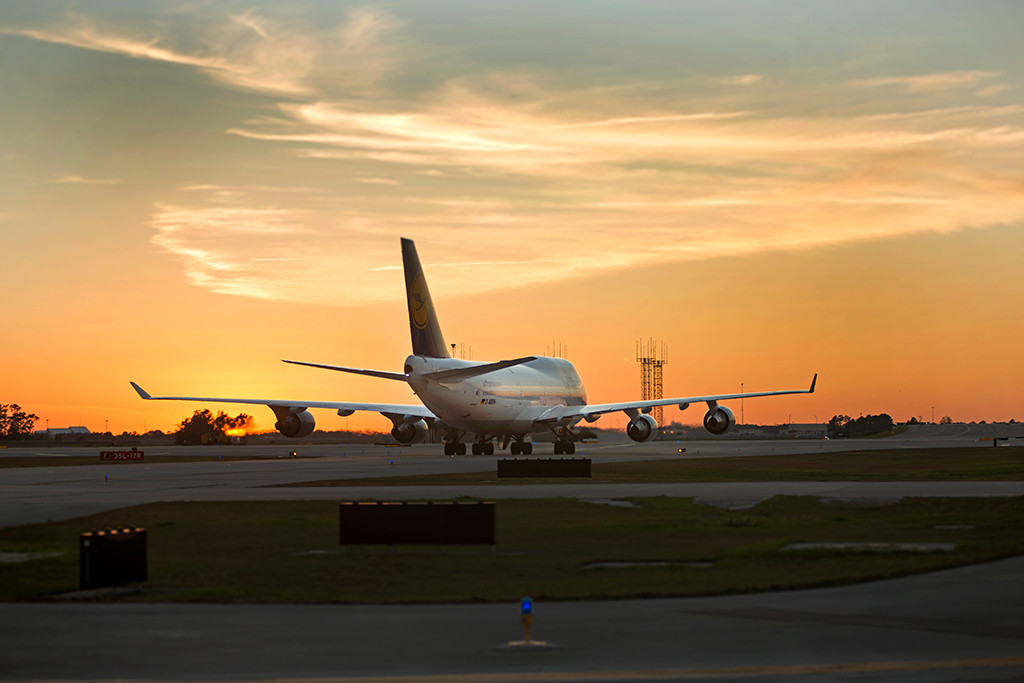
<point>356,371</point>
<point>463,373</point>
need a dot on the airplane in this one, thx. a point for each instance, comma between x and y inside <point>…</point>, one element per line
<point>507,400</point>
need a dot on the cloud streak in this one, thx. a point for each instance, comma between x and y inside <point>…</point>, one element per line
<point>248,50</point>
<point>927,82</point>
<point>483,161</point>
<point>80,180</point>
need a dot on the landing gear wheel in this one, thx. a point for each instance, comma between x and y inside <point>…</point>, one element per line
<point>477,447</point>
<point>488,449</point>
<point>460,449</point>
<point>570,448</point>
<point>558,448</point>
<point>449,448</point>
<point>527,448</point>
<point>514,448</point>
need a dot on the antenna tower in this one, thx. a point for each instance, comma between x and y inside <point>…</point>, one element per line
<point>557,350</point>
<point>652,357</point>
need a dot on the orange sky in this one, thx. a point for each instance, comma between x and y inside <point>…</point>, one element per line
<point>190,195</point>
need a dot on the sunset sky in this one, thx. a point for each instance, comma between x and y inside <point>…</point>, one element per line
<point>191,191</point>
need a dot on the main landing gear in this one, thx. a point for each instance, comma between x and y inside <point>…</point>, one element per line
<point>564,447</point>
<point>483,448</point>
<point>521,448</point>
<point>565,441</point>
<point>456,448</point>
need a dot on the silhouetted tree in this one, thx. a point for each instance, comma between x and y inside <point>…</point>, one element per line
<point>204,422</point>
<point>837,426</point>
<point>946,420</point>
<point>14,422</point>
<point>842,426</point>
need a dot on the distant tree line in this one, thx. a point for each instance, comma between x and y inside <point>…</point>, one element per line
<point>844,426</point>
<point>15,423</point>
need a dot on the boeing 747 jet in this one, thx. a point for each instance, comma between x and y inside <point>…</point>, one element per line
<point>506,401</point>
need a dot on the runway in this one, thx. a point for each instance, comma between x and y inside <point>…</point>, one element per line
<point>962,624</point>
<point>39,494</point>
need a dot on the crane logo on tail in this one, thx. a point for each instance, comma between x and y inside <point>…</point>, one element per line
<point>420,302</point>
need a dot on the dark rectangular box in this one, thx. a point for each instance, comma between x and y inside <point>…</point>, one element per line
<point>544,467</point>
<point>394,523</point>
<point>112,557</point>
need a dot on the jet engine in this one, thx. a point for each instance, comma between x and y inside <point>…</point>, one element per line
<point>410,432</point>
<point>642,428</point>
<point>719,420</point>
<point>296,425</point>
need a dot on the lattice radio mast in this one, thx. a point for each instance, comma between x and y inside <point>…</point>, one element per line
<point>652,357</point>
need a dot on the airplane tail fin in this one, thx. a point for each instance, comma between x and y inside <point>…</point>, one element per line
<point>426,333</point>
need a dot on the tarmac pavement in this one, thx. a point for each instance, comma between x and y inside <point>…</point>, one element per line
<point>960,624</point>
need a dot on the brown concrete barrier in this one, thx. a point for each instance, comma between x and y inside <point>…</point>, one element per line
<point>112,557</point>
<point>544,467</point>
<point>397,523</point>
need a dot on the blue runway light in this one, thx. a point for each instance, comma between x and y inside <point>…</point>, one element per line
<point>526,606</point>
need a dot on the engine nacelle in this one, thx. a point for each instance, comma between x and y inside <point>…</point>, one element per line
<point>296,425</point>
<point>410,432</point>
<point>642,428</point>
<point>719,421</point>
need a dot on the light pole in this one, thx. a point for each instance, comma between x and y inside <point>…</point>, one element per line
<point>743,420</point>
<point>933,414</point>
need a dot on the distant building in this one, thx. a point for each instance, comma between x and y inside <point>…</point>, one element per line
<point>808,431</point>
<point>61,432</point>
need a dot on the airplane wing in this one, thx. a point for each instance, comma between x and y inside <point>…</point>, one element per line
<point>344,408</point>
<point>592,412</point>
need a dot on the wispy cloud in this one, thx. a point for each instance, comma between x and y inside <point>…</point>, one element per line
<point>746,79</point>
<point>478,162</point>
<point>80,180</point>
<point>249,50</point>
<point>927,82</point>
<point>696,184</point>
<point>994,90</point>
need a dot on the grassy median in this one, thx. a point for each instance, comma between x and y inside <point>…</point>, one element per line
<point>287,552</point>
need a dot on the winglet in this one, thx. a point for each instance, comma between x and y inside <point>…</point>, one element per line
<point>813,382</point>
<point>141,391</point>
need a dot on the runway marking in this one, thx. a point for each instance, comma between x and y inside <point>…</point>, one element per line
<point>662,674</point>
<point>867,620</point>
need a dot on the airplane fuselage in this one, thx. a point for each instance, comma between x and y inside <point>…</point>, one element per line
<point>506,401</point>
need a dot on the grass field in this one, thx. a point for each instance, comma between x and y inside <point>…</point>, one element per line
<point>918,464</point>
<point>288,551</point>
